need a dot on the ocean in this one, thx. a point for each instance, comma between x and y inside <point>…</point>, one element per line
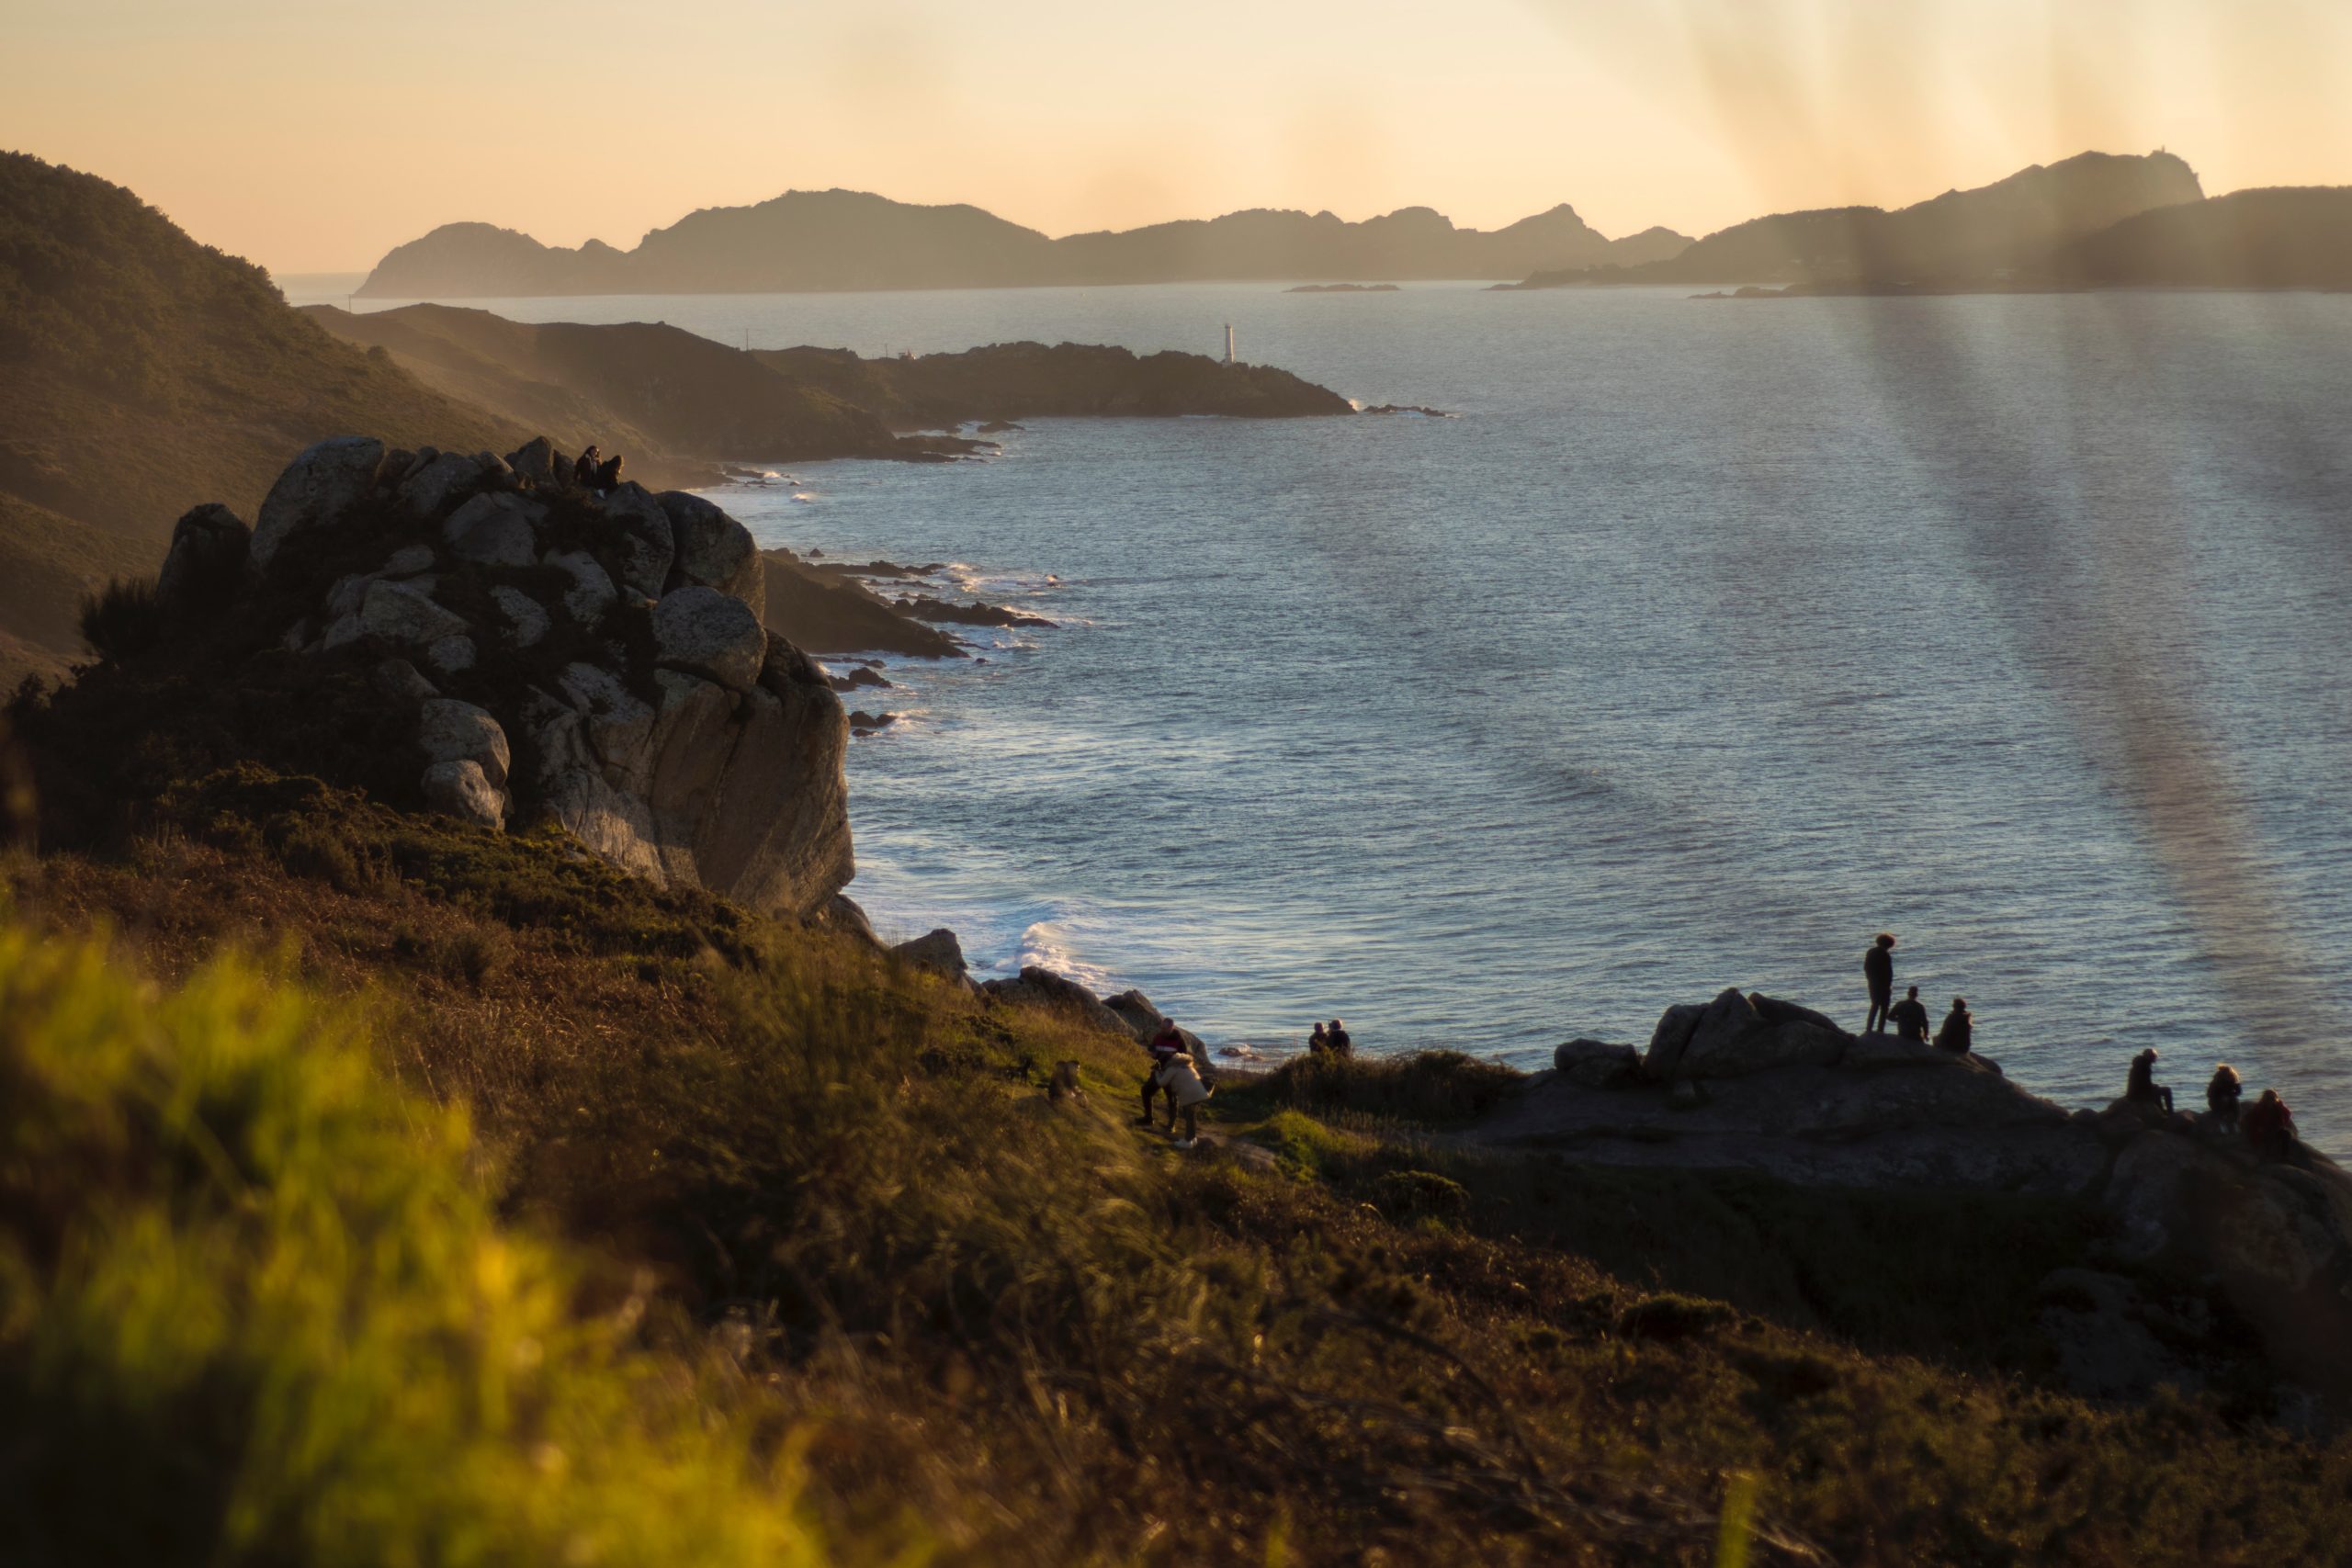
<point>1706,640</point>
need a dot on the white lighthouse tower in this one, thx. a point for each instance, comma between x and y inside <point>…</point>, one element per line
<point>1229,343</point>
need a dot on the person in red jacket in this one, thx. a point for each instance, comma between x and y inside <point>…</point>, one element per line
<point>2270,1127</point>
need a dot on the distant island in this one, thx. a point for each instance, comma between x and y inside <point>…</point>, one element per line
<point>2094,220</point>
<point>1342,289</point>
<point>839,240</point>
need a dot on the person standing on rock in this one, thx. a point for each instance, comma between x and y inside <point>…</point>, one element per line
<point>2221,1097</point>
<point>1909,1017</point>
<point>2142,1088</point>
<point>2270,1127</point>
<point>1959,1034</point>
<point>1878,971</point>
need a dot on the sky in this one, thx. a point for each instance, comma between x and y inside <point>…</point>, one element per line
<point>313,135</point>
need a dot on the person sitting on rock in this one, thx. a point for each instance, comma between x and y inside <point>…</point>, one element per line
<point>2222,1098</point>
<point>584,472</point>
<point>1958,1034</point>
<point>1878,973</point>
<point>1336,1040</point>
<point>2270,1127</point>
<point>2142,1088</point>
<point>1165,1045</point>
<point>1318,1042</point>
<point>1909,1017</point>
<point>608,474</point>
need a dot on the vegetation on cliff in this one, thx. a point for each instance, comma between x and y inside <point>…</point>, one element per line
<point>829,1198</point>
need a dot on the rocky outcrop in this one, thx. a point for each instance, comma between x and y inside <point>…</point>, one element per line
<point>938,951</point>
<point>553,652</point>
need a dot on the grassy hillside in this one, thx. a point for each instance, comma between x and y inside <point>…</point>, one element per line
<point>830,1200</point>
<point>671,402</point>
<point>143,373</point>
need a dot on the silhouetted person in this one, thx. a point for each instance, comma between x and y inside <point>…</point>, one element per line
<point>583,471</point>
<point>1959,1034</point>
<point>1165,1046</point>
<point>2140,1087</point>
<point>2221,1097</point>
<point>1878,972</point>
<point>2270,1127</point>
<point>1909,1017</point>
<point>608,473</point>
<point>1318,1042</point>
<point>1336,1040</point>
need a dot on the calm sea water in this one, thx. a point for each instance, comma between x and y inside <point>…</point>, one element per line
<point>1708,640</point>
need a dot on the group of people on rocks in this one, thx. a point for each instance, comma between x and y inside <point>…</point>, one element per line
<point>592,470</point>
<point>1176,1077</point>
<point>2269,1126</point>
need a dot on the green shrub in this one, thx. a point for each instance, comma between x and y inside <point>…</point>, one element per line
<point>1424,1085</point>
<point>254,1310</point>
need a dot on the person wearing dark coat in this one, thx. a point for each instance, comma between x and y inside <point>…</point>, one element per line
<point>1878,973</point>
<point>608,473</point>
<point>1909,1017</point>
<point>1165,1047</point>
<point>2270,1127</point>
<point>1336,1040</point>
<point>1318,1042</point>
<point>1958,1034</point>
<point>2221,1097</point>
<point>583,471</point>
<point>2142,1088</point>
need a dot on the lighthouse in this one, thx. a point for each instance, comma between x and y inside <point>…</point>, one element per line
<point>1229,343</point>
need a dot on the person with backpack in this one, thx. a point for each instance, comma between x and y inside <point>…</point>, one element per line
<point>1878,973</point>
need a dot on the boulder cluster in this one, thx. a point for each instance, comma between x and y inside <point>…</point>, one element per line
<point>593,656</point>
<point>2186,1212</point>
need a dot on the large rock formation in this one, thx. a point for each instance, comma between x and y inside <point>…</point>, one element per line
<point>599,658</point>
<point>1747,1083</point>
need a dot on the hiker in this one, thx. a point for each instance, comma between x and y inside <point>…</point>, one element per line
<point>1336,1040</point>
<point>1958,1034</point>
<point>1186,1093</point>
<point>583,471</point>
<point>1909,1017</point>
<point>1168,1043</point>
<point>2221,1097</point>
<point>2270,1127</point>
<point>1318,1042</point>
<point>1878,972</point>
<point>2142,1088</point>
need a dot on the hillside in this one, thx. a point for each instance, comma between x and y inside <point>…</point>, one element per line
<point>674,403</point>
<point>851,239</point>
<point>2277,238</point>
<point>1984,235</point>
<point>142,373</point>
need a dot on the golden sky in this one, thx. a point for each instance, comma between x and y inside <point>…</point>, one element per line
<point>313,135</point>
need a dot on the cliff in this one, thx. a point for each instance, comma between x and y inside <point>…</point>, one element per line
<point>851,239</point>
<point>140,373</point>
<point>1982,235</point>
<point>2278,238</point>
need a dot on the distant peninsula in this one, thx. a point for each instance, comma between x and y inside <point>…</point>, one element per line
<point>843,240</point>
<point>2095,221</point>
